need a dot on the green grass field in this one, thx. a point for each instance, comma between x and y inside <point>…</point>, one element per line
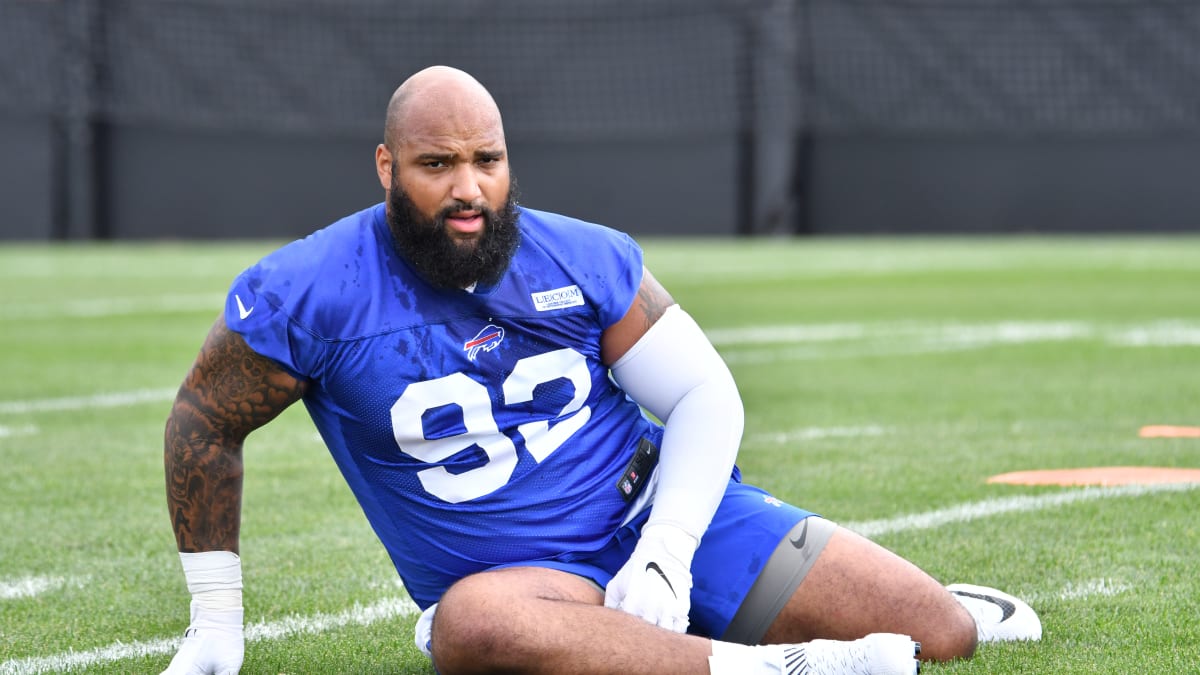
<point>885,380</point>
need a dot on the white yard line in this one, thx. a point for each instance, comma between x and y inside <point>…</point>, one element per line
<point>26,430</point>
<point>28,587</point>
<point>1092,588</point>
<point>912,332</point>
<point>96,308</point>
<point>760,356</point>
<point>993,507</point>
<point>1079,591</point>
<point>766,345</point>
<point>110,400</point>
<point>1160,332</point>
<point>815,433</point>
<point>790,264</point>
<point>816,332</point>
<point>293,625</point>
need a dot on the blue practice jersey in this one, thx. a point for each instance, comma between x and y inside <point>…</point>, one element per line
<point>478,428</point>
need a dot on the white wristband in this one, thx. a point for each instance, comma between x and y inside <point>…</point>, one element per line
<point>214,579</point>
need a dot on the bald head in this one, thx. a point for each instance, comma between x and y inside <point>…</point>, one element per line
<point>437,97</point>
<point>444,168</point>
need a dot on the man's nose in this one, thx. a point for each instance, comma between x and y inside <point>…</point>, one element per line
<point>466,184</point>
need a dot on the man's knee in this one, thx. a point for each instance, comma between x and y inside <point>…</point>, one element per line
<point>468,634</point>
<point>484,622</point>
<point>960,636</point>
<point>947,632</point>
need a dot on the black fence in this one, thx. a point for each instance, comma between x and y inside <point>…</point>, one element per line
<point>238,118</point>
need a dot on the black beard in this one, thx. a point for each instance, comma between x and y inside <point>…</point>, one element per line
<point>441,261</point>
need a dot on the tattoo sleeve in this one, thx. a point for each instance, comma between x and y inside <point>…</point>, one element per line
<point>653,301</point>
<point>229,391</point>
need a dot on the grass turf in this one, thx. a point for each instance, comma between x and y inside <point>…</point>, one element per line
<point>882,377</point>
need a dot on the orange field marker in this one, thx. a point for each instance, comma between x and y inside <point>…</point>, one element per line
<point>1167,431</point>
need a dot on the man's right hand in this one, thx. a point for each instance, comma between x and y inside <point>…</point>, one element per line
<point>655,584</point>
<point>212,645</point>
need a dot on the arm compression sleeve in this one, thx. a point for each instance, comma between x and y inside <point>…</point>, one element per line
<point>676,374</point>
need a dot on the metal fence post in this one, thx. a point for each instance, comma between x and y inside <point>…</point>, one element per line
<point>77,156</point>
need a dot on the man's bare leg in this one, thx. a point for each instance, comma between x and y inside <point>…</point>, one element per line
<point>857,587</point>
<point>537,620</point>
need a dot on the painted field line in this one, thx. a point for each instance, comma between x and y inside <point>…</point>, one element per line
<point>294,625</point>
<point>1159,334</point>
<point>930,332</point>
<point>1092,588</point>
<point>28,587</point>
<point>769,356</point>
<point>766,344</point>
<point>816,433</point>
<point>1081,590</point>
<point>101,308</point>
<point>110,400</point>
<point>993,507</point>
<point>8,432</point>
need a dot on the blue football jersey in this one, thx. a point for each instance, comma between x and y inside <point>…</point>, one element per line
<point>476,429</point>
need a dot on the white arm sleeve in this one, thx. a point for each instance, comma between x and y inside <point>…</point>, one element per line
<point>676,374</point>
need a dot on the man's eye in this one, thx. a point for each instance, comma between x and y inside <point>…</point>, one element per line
<point>435,164</point>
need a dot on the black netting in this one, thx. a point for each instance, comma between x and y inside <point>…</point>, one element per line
<point>579,68</point>
<point>613,68</point>
<point>1026,67</point>
<point>33,40</point>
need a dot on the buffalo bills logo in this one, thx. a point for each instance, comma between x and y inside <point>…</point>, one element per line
<point>487,339</point>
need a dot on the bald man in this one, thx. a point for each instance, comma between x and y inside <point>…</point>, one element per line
<point>479,371</point>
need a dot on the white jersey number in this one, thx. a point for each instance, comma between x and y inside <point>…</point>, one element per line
<point>480,427</point>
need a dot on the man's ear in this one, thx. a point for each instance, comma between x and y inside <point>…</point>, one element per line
<point>383,166</point>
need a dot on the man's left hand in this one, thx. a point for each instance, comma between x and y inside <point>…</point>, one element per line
<point>656,582</point>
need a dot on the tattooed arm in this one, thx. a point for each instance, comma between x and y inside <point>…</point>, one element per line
<point>651,301</point>
<point>662,359</point>
<point>229,392</point>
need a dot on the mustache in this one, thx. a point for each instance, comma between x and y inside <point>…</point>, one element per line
<point>457,206</point>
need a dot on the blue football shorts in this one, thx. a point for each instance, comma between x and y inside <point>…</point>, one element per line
<point>746,530</point>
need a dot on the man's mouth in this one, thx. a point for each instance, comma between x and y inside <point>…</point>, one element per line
<point>465,222</point>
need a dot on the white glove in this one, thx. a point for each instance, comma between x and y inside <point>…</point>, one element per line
<point>213,643</point>
<point>656,582</point>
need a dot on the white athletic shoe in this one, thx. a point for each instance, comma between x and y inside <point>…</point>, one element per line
<point>998,615</point>
<point>876,654</point>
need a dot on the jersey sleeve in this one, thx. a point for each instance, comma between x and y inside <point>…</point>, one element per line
<point>256,309</point>
<point>605,263</point>
<point>624,275</point>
